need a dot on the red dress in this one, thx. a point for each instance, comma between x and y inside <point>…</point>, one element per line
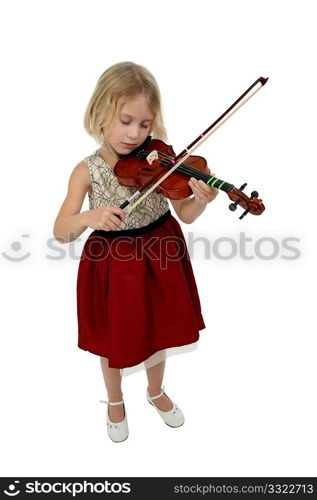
<point>137,295</point>
<point>136,291</point>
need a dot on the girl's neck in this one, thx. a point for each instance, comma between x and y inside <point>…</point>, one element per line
<point>108,156</point>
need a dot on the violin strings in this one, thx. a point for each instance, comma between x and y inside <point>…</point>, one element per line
<point>186,169</point>
<point>191,172</point>
<point>198,174</point>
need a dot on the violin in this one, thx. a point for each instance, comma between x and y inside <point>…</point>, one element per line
<point>140,167</point>
<point>154,165</point>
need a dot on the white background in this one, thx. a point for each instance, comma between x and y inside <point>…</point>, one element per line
<point>249,391</point>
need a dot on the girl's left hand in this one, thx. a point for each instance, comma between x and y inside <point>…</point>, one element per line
<point>203,193</point>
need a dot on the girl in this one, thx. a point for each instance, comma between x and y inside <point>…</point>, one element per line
<point>137,300</point>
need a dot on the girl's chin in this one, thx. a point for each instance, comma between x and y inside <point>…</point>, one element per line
<point>122,149</point>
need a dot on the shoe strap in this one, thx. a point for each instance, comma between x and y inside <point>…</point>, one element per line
<point>158,396</point>
<point>110,403</point>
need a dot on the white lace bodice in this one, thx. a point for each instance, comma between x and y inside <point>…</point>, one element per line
<point>106,191</point>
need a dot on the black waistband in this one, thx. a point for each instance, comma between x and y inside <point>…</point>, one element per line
<point>136,231</point>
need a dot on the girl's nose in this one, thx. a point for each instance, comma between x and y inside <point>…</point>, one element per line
<point>132,132</point>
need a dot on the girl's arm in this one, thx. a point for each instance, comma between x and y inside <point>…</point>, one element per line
<point>70,223</point>
<point>192,207</point>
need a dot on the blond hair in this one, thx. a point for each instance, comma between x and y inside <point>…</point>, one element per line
<point>122,80</point>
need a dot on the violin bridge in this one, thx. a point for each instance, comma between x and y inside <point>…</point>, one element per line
<point>151,157</point>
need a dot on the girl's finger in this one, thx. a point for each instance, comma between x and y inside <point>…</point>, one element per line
<point>198,194</point>
<point>206,188</point>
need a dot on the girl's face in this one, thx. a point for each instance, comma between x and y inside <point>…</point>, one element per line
<point>131,125</point>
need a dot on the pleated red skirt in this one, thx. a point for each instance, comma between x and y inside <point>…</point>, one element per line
<point>136,293</point>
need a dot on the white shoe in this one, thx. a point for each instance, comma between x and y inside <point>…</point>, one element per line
<point>117,431</point>
<point>173,417</point>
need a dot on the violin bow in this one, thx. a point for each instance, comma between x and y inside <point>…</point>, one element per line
<point>181,157</point>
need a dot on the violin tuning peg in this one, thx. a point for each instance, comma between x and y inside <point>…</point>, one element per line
<point>244,214</point>
<point>243,186</point>
<point>254,194</point>
<point>233,206</point>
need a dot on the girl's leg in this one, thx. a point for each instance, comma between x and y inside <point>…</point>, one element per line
<point>112,380</point>
<point>155,379</point>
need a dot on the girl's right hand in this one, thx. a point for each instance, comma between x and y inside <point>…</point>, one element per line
<point>104,218</point>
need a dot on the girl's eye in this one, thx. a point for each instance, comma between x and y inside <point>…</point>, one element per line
<point>128,123</point>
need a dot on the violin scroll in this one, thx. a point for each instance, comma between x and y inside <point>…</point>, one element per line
<point>251,205</point>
